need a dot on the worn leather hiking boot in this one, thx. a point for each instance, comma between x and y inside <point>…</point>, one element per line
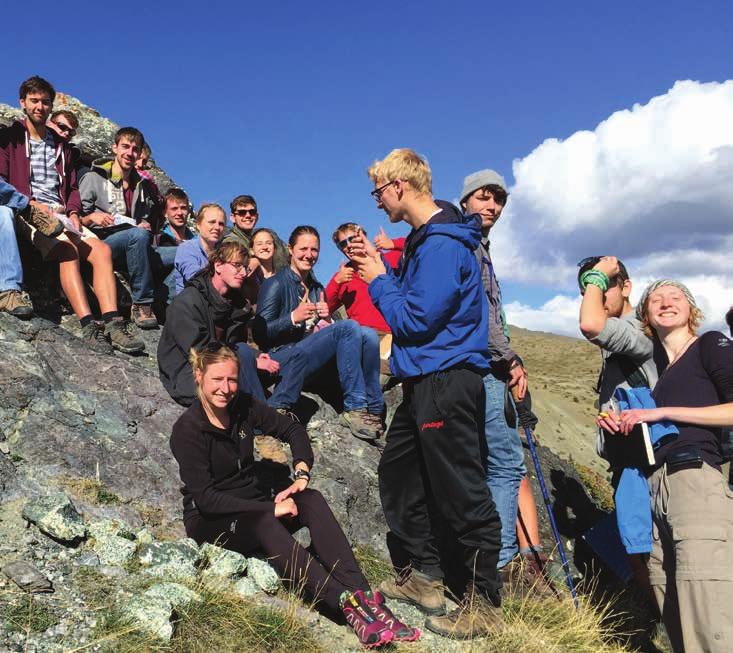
<point>48,225</point>
<point>271,448</point>
<point>94,337</point>
<point>414,587</point>
<point>476,616</point>
<point>17,303</point>
<point>143,317</point>
<point>360,424</point>
<point>524,576</point>
<point>376,422</point>
<point>370,630</point>
<point>121,338</point>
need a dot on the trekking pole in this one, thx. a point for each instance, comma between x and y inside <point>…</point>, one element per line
<point>528,420</point>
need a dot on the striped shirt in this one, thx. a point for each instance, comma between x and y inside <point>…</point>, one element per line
<point>44,176</point>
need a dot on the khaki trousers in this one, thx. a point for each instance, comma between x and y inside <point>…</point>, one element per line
<point>691,563</point>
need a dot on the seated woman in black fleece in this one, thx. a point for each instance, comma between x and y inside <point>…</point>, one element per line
<point>691,562</point>
<point>222,503</point>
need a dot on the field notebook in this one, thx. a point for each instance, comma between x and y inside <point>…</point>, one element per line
<point>632,450</point>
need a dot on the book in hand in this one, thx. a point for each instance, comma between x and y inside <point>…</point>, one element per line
<point>632,450</point>
<point>68,224</point>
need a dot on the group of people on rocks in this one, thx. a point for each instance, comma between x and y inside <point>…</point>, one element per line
<point>247,326</point>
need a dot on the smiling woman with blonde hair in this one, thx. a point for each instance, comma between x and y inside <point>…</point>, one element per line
<point>224,503</point>
<point>691,563</point>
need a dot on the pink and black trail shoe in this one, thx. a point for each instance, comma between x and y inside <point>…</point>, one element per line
<point>370,630</point>
<point>401,631</point>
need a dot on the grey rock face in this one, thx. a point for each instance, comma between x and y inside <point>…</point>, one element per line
<point>55,515</point>
<point>263,575</point>
<point>64,411</point>
<point>27,577</point>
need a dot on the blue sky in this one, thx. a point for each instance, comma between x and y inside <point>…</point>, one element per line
<point>291,101</point>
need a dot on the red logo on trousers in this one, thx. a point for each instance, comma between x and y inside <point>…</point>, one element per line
<point>433,425</point>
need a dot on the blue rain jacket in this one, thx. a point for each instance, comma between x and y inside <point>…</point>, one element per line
<point>435,303</point>
<point>633,503</point>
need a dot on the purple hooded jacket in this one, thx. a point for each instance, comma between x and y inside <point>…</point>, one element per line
<point>15,165</point>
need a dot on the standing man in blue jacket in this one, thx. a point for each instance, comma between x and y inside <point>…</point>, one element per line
<point>432,472</point>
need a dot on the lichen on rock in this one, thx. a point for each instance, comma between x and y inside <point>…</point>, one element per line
<point>56,516</point>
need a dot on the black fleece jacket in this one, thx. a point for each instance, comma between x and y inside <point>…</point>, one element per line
<point>217,465</point>
<point>192,320</point>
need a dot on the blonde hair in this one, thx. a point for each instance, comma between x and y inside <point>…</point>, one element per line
<point>212,353</point>
<point>642,310</point>
<point>204,207</point>
<point>404,164</point>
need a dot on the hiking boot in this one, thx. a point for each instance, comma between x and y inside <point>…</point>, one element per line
<point>17,303</point>
<point>475,617</point>
<point>370,631</point>
<point>375,421</point>
<point>119,334</point>
<point>271,449</point>
<point>95,338</point>
<point>360,424</point>
<point>48,225</point>
<point>401,632</point>
<point>524,576</point>
<point>417,589</point>
<point>143,317</point>
<point>289,414</point>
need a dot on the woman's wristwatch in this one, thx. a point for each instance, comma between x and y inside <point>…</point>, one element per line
<point>301,473</point>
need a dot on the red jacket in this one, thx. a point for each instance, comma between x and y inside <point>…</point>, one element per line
<point>354,296</point>
<point>15,165</point>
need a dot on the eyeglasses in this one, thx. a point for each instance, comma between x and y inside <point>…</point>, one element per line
<point>244,212</point>
<point>66,129</point>
<point>377,192</point>
<point>237,265</point>
<point>343,243</point>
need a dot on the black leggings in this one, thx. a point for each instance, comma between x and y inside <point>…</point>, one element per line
<point>332,571</point>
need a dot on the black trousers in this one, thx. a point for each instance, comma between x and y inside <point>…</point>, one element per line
<point>327,573</point>
<point>432,476</point>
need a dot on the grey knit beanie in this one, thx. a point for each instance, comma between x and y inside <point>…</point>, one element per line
<point>480,179</point>
<point>658,284</point>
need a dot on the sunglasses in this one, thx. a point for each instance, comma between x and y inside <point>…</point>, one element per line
<point>377,192</point>
<point>342,244</point>
<point>244,212</point>
<point>66,129</point>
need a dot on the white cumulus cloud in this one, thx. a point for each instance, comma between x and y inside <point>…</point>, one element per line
<point>652,184</point>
